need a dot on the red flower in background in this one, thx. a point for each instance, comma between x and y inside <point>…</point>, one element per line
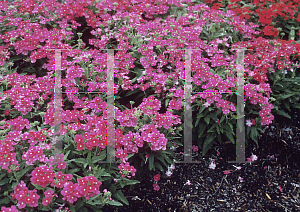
<point>270,31</point>
<point>157,177</point>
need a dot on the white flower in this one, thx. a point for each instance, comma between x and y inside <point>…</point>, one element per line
<point>253,157</point>
<point>188,183</point>
<point>169,173</point>
<point>240,179</point>
<point>206,104</point>
<point>172,167</point>
<point>212,165</point>
<point>248,123</point>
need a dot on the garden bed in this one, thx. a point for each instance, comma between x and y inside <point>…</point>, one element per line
<point>259,190</point>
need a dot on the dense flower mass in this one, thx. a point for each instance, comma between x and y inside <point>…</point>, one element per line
<point>86,187</point>
<point>148,55</point>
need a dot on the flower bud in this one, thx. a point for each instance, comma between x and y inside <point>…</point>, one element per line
<point>115,4</point>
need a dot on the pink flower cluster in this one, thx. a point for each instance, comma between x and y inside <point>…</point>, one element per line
<point>33,137</point>
<point>25,196</point>
<point>154,137</point>
<point>126,169</point>
<point>86,187</point>
<point>127,118</point>
<point>150,105</point>
<point>42,176</point>
<point>166,120</point>
<point>8,158</point>
<point>11,209</point>
<point>156,179</point>
<point>33,154</point>
<point>48,197</point>
<point>61,179</point>
<point>59,161</point>
<point>19,124</point>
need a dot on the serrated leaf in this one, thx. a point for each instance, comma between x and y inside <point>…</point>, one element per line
<point>151,161</point>
<point>120,196</point>
<point>22,172</point>
<point>208,143</point>
<point>4,181</point>
<point>162,160</point>
<point>207,119</point>
<point>212,127</point>
<point>158,166</point>
<point>115,203</point>
<point>102,155</point>
<point>230,137</point>
<point>281,112</point>
<point>72,171</point>
<point>4,200</point>
<point>2,175</point>
<point>254,133</point>
<point>201,129</point>
<point>72,208</point>
<point>79,160</point>
<point>102,172</point>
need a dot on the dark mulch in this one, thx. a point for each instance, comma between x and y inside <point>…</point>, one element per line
<point>211,190</point>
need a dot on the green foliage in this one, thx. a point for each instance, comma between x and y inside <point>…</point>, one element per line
<point>285,91</point>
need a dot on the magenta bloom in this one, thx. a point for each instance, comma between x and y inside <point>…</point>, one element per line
<point>156,177</point>
<point>155,187</point>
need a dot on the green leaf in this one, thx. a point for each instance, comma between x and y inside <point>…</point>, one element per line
<point>130,155</point>
<point>102,155</point>
<point>198,119</point>
<point>296,105</point>
<point>207,119</point>
<point>254,133</point>
<point>129,93</point>
<point>72,171</point>
<point>212,127</point>
<point>156,164</point>
<point>120,196</point>
<point>130,182</point>
<point>281,112</point>
<point>222,119</point>
<point>89,159</point>
<point>218,129</point>
<point>167,102</point>
<point>208,143</point>
<point>201,129</point>
<point>79,160</point>
<point>162,160</point>
<point>2,175</point>
<point>230,136</point>
<point>151,161</point>
<point>4,200</point>
<point>23,172</point>
<point>4,181</point>
<point>286,96</point>
<point>115,203</point>
<point>72,208</point>
<point>102,172</point>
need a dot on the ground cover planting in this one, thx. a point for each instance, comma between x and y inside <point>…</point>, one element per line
<point>140,53</point>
